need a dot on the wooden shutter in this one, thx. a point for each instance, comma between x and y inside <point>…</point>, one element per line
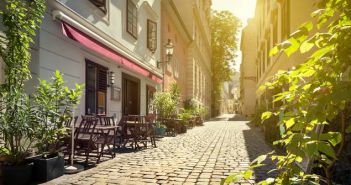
<point>151,35</point>
<point>102,79</point>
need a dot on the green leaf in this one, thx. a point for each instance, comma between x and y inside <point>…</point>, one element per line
<point>326,149</point>
<point>333,137</point>
<point>259,159</point>
<point>311,148</point>
<point>273,51</point>
<point>321,52</point>
<point>293,47</point>
<point>289,123</point>
<point>266,115</point>
<point>248,174</point>
<point>306,47</point>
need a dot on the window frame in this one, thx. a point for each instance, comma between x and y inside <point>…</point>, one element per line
<point>97,89</point>
<point>134,23</point>
<point>102,8</point>
<point>152,46</point>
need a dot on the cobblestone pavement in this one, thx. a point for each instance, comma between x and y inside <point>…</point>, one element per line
<point>203,155</point>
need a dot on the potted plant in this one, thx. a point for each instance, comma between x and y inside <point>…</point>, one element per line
<point>160,129</point>
<point>18,119</point>
<point>54,102</point>
<point>18,123</point>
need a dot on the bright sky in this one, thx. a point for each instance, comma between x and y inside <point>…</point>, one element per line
<point>243,9</point>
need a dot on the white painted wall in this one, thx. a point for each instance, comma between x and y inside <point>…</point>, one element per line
<point>57,52</point>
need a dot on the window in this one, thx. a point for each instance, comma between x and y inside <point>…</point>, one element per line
<point>101,4</point>
<point>96,89</point>
<point>132,18</point>
<point>151,35</point>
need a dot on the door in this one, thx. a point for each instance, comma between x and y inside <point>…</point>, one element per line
<point>130,95</point>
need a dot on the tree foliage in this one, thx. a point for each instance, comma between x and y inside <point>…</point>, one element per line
<point>313,96</point>
<point>224,27</point>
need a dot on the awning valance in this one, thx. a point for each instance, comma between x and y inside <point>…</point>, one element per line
<point>100,48</point>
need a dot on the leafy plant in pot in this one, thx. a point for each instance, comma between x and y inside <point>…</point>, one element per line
<point>160,129</point>
<point>18,119</point>
<point>54,102</point>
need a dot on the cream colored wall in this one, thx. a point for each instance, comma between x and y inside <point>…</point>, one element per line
<point>300,11</point>
<point>198,66</point>
<point>172,29</point>
<point>248,69</point>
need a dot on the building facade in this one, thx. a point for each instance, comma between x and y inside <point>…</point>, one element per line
<point>274,22</point>
<point>110,46</point>
<point>186,23</point>
<point>248,69</point>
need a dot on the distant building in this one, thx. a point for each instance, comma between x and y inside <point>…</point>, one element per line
<point>273,23</point>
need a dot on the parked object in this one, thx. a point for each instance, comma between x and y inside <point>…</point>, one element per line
<point>46,169</point>
<point>160,129</point>
<point>17,175</point>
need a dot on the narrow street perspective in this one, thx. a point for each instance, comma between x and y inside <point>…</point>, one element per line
<point>203,155</point>
<point>201,92</point>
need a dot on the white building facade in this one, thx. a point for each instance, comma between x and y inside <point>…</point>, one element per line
<point>111,46</point>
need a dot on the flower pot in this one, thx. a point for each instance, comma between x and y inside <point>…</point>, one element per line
<point>183,129</point>
<point>46,169</point>
<point>17,175</point>
<point>160,131</point>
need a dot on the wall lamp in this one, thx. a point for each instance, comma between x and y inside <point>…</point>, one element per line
<point>169,52</point>
<point>111,76</point>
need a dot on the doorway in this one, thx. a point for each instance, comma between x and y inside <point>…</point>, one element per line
<point>130,95</point>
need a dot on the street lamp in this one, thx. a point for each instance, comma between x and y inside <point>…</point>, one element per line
<point>169,52</point>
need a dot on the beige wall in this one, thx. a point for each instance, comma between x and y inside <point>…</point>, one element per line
<point>193,34</point>
<point>248,69</point>
<point>172,28</point>
<point>299,13</point>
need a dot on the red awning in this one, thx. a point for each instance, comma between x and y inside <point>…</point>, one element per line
<point>98,47</point>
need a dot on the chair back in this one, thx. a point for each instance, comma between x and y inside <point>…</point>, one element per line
<point>68,122</point>
<point>87,126</point>
<point>136,118</point>
<point>107,121</point>
<point>150,118</point>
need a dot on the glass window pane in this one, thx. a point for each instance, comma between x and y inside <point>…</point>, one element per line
<point>101,102</point>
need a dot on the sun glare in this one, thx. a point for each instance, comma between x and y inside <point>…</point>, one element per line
<point>243,9</point>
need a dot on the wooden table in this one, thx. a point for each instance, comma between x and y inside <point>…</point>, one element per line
<point>139,133</point>
<point>106,137</point>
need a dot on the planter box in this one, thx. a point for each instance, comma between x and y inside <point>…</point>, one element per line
<point>17,175</point>
<point>160,131</point>
<point>46,169</point>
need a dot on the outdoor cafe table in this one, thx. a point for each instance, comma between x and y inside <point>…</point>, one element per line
<point>106,136</point>
<point>138,132</point>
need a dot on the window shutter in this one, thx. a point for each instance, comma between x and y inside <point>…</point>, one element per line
<point>102,79</point>
<point>151,35</point>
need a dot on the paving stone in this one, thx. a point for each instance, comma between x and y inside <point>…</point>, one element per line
<point>203,155</point>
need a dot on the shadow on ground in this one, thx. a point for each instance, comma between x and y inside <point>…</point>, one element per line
<point>256,146</point>
<point>238,117</point>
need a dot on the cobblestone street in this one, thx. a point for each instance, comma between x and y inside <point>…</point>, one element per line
<point>203,155</point>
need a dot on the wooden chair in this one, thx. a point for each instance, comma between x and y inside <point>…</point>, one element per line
<point>106,137</point>
<point>150,119</point>
<point>86,137</point>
